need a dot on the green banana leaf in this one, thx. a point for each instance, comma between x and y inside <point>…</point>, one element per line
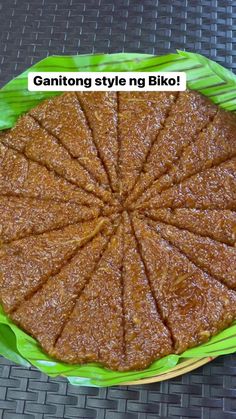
<point>203,75</point>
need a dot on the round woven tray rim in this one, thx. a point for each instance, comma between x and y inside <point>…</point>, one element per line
<point>181,368</point>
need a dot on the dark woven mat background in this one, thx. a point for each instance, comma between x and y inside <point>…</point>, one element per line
<point>31,30</point>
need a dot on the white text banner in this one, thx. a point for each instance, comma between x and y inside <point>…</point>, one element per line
<point>106,81</point>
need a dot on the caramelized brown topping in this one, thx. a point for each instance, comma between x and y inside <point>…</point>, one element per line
<point>118,225</point>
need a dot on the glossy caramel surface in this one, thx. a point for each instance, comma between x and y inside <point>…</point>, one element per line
<point>118,225</point>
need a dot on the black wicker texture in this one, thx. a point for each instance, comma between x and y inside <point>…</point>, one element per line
<point>206,393</point>
<point>30,31</point>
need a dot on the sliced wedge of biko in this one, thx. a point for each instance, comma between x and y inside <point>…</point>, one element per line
<point>213,146</point>
<point>38,145</point>
<point>100,109</point>
<point>146,336</point>
<point>189,116</point>
<point>141,117</point>
<point>193,304</point>
<point>215,258</point>
<point>21,177</point>
<point>94,331</point>
<point>214,188</point>
<point>63,117</point>
<point>44,314</point>
<point>20,216</point>
<point>27,263</point>
<point>220,225</point>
